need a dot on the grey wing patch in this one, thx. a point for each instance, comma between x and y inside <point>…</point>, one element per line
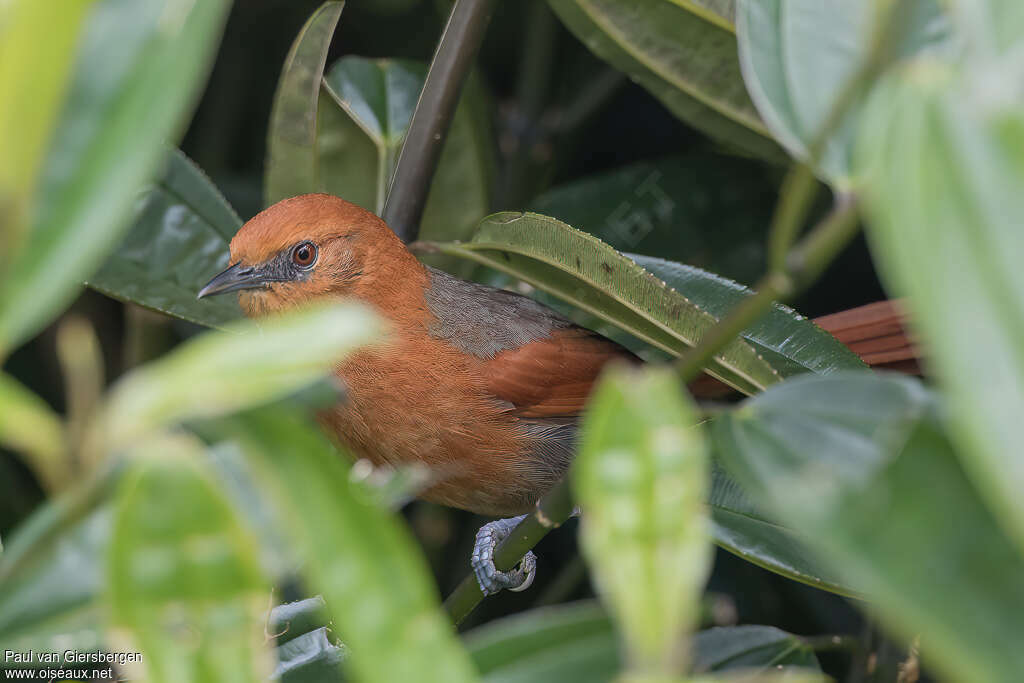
<point>483,320</point>
<point>554,447</point>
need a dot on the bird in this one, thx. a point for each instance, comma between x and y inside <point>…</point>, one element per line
<point>483,386</point>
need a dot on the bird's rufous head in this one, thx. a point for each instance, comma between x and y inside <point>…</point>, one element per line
<point>310,247</point>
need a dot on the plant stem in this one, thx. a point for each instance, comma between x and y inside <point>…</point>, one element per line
<point>421,151</point>
<point>789,270</point>
<point>551,511</point>
<point>804,264</point>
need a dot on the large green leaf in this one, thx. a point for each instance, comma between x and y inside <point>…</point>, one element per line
<point>376,584</point>
<point>742,528</point>
<point>798,54</point>
<point>37,50</point>
<point>578,642</point>
<point>178,241</point>
<point>791,343</point>
<point>589,274</point>
<point>139,67</point>
<point>707,210</point>
<point>183,577</point>
<point>684,53</point>
<point>365,111</point>
<point>859,464</point>
<point>252,363</point>
<point>291,167</point>
<point>641,476</point>
<point>943,172</point>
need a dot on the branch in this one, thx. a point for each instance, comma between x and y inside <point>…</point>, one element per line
<point>551,511</point>
<point>418,159</point>
<point>802,266</point>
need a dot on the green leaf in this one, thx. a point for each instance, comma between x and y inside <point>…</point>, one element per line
<point>140,65</point>
<point>178,241</point>
<point>751,648</point>
<point>29,425</point>
<point>51,604</point>
<point>587,273</point>
<point>365,109</point>
<point>707,210</point>
<point>37,51</point>
<point>183,578</point>
<point>943,174</point>
<point>312,657</point>
<point>291,138</point>
<point>254,362</point>
<point>742,528</point>
<point>307,651</point>
<point>684,53</point>
<point>859,464</point>
<point>578,642</point>
<point>377,586</point>
<point>641,476</point>
<point>798,54</point>
<point>791,343</point>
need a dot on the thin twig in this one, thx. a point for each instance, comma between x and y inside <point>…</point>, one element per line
<point>804,264</point>
<point>793,269</point>
<point>421,151</point>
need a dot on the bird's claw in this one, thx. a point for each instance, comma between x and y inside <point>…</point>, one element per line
<point>492,580</point>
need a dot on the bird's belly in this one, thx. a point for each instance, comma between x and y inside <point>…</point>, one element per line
<point>434,414</point>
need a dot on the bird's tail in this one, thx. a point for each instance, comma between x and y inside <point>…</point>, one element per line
<point>877,333</point>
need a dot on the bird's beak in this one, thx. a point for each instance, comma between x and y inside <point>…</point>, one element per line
<point>232,279</point>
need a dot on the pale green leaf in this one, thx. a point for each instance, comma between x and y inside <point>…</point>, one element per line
<point>291,138</point>
<point>250,363</point>
<point>641,478</point>
<point>140,64</point>
<point>376,584</point>
<point>183,578</point>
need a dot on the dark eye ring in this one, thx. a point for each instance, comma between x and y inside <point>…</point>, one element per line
<point>304,254</point>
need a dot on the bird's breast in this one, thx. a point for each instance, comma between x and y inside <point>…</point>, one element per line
<point>418,399</point>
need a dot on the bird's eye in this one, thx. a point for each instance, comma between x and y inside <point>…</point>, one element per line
<point>304,254</point>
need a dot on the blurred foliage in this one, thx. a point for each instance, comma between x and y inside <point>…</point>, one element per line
<point>193,512</point>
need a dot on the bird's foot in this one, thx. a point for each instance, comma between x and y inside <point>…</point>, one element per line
<point>492,580</point>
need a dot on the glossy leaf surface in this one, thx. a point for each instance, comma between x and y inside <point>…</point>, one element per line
<point>578,640</point>
<point>684,53</point>
<point>292,135</point>
<point>178,241</point>
<point>126,98</point>
<point>860,465</point>
<point>744,529</point>
<point>641,476</point>
<point>587,273</point>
